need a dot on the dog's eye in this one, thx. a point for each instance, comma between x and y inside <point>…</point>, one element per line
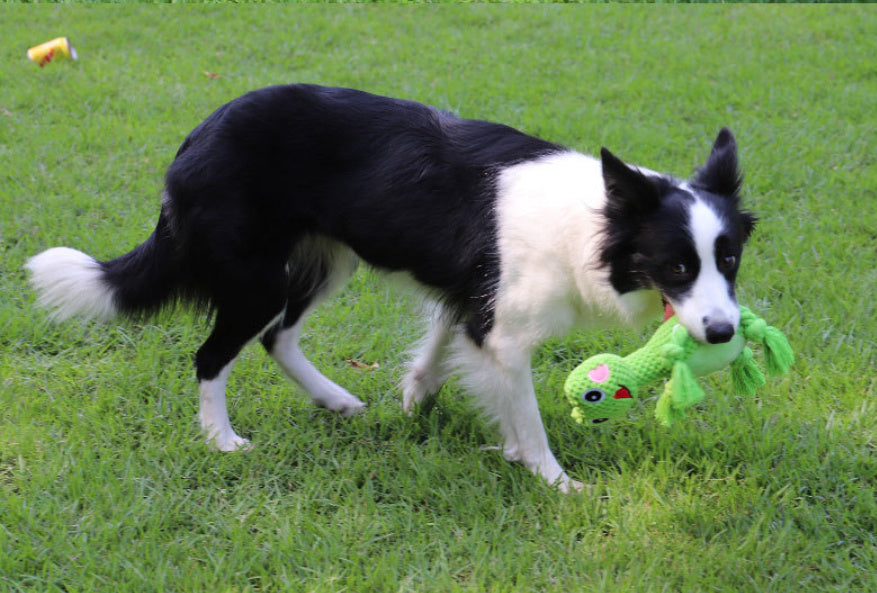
<point>594,396</point>
<point>728,262</point>
<point>679,269</point>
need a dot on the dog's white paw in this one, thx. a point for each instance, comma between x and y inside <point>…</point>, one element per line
<point>567,485</point>
<point>561,481</point>
<point>229,441</point>
<point>351,409</point>
<point>418,385</point>
<point>339,400</point>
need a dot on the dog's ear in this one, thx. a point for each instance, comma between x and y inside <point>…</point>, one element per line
<point>629,193</point>
<point>721,174</point>
<point>748,220</point>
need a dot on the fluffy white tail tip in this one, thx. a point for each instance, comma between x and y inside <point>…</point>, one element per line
<point>70,283</point>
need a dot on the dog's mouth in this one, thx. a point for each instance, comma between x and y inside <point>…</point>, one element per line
<point>668,308</point>
<point>717,333</point>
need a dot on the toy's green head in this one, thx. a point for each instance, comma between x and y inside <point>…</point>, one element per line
<point>602,387</point>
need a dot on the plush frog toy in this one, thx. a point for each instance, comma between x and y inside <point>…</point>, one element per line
<point>605,386</point>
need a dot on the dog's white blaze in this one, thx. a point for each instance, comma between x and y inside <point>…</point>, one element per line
<point>71,283</point>
<point>710,299</point>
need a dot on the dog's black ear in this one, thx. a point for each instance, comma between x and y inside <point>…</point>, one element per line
<point>748,220</point>
<point>629,193</point>
<point>721,174</point>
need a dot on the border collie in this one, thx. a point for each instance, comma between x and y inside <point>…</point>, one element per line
<point>275,197</point>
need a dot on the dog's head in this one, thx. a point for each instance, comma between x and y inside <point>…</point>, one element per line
<point>684,238</point>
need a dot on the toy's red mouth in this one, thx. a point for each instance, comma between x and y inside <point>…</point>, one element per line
<point>623,393</point>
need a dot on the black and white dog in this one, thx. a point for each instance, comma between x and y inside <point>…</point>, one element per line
<point>273,199</point>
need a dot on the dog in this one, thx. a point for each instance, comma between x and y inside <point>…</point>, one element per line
<point>272,200</point>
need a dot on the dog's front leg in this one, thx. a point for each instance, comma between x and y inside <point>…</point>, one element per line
<point>498,374</point>
<point>524,437</point>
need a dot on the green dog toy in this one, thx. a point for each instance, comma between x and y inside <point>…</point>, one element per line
<point>605,386</point>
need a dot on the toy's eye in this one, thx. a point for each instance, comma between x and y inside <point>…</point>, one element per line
<point>599,420</point>
<point>594,396</point>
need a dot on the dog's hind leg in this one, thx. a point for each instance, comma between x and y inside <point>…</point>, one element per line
<point>427,372</point>
<point>318,267</point>
<point>240,317</point>
<point>213,412</point>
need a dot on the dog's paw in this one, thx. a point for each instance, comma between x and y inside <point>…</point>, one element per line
<point>569,486</point>
<point>229,441</point>
<point>418,386</point>
<point>339,400</point>
<point>351,409</point>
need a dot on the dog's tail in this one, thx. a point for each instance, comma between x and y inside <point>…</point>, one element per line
<point>71,283</point>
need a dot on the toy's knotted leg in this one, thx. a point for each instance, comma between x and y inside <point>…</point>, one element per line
<point>778,354</point>
<point>682,391</point>
<point>745,374</point>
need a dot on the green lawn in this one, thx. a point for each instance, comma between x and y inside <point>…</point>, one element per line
<point>105,483</point>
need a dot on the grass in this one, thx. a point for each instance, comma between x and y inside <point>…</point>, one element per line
<point>105,483</point>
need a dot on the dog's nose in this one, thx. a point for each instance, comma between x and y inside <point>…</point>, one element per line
<point>719,333</point>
